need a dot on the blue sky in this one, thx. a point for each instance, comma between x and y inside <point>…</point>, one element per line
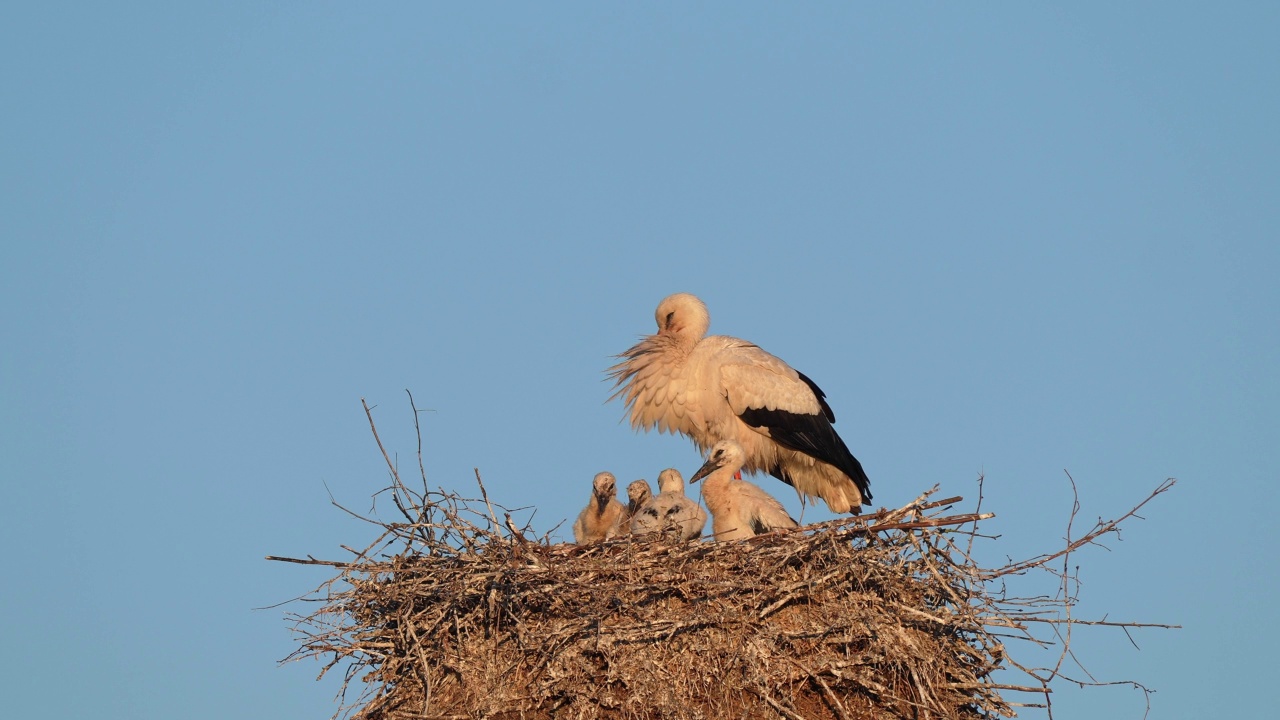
<point>1005,239</point>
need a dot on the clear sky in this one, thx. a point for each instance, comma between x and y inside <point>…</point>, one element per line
<point>1010,239</point>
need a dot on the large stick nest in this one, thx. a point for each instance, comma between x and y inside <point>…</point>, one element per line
<point>452,613</point>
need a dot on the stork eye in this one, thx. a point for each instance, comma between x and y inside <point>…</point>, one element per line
<point>670,315</point>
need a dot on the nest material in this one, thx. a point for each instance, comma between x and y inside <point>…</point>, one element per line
<point>453,614</point>
<point>883,616</point>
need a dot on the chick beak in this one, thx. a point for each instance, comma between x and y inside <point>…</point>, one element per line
<point>707,468</point>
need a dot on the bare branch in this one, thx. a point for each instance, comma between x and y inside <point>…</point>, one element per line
<point>1102,528</point>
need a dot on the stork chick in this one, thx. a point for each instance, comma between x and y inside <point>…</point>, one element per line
<point>670,510</point>
<point>600,519</point>
<point>638,492</point>
<point>739,509</point>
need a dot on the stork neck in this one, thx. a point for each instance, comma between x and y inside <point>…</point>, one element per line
<point>716,485</point>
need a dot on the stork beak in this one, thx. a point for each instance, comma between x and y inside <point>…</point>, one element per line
<point>707,468</point>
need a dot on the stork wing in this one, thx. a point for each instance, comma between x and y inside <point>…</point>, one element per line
<point>753,379</point>
<point>767,513</point>
<point>776,400</point>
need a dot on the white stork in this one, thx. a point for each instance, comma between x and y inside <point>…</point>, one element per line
<point>599,520</point>
<point>713,388</point>
<point>739,509</point>
<point>670,510</point>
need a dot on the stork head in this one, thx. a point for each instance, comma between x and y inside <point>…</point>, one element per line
<point>604,487</point>
<point>682,316</point>
<point>671,481</point>
<point>637,492</point>
<point>725,453</point>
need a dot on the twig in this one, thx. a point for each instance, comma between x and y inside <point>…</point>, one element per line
<point>395,474</point>
<point>485,495</point>
<point>1098,531</point>
<point>309,561</point>
<point>418,433</point>
<point>977,509</point>
<point>511,528</point>
<point>1067,597</point>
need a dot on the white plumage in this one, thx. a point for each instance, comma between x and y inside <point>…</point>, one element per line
<point>739,509</point>
<point>601,518</point>
<point>713,388</point>
<point>670,510</point>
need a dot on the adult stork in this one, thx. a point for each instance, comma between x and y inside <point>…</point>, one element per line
<point>739,509</point>
<point>713,388</point>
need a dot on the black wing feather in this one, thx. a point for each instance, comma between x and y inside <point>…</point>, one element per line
<point>811,435</point>
<point>822,397</point>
